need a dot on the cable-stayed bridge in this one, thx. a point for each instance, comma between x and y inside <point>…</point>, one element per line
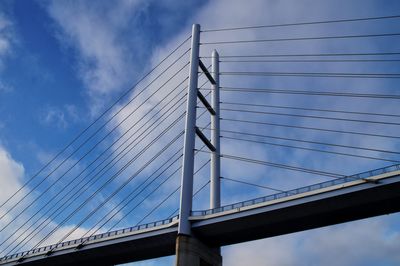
<point>173,123</point>
<point>350,198</point>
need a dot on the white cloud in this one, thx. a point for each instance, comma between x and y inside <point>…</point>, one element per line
<point>64,230</point>
<point>11,180</point>
<point>11,175</point>
<point>7,40</point>
<point>5,87</point>
<point>6,37</point>
<point>60,117</point>
<point>55,116</point>
<point>365,242</point>
<point>95,30</point>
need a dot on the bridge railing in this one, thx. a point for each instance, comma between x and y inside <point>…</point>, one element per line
<point>301,190</point>
<point>91,238</point>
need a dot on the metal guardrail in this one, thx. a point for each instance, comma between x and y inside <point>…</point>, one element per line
<point>85,240</point>
<point>297,191</point>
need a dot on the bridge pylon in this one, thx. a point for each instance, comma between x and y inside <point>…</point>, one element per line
<point>190,251</point>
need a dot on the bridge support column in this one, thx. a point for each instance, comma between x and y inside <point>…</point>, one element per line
<point>184,226</point>
<point>215,166</point>
<point>192,252</point>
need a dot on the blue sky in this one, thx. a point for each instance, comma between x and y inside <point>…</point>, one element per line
<point>63,62</point>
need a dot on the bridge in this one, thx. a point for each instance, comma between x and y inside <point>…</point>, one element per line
<point>354,197</point>
<point>195,236</point>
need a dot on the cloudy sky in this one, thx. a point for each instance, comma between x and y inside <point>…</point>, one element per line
<point>63,63</point>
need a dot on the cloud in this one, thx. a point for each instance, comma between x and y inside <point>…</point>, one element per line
<point>113,41</point>
<point>11,174</point>
<point>7,40</point>
<point>7,37</point>
<point>11,180</point>
<point>5,25</point>
<point>60,117</point>
<point>5,87</point>
<point>94,31</point>
<point>365,242</point>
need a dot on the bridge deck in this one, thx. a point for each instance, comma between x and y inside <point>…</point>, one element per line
<point>313,208</point>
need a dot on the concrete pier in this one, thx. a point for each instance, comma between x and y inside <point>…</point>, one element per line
<point>192,252</point>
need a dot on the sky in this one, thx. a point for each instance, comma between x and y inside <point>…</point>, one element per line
<point>63,63</point>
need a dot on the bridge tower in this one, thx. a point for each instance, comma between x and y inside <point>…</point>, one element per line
<point>190,251</point>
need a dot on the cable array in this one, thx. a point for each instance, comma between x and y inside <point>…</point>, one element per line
<point>287,106</point>
<point>121,154</point>
<point>115,103</point>
<point>126,136</point>
<point>83,187</point>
